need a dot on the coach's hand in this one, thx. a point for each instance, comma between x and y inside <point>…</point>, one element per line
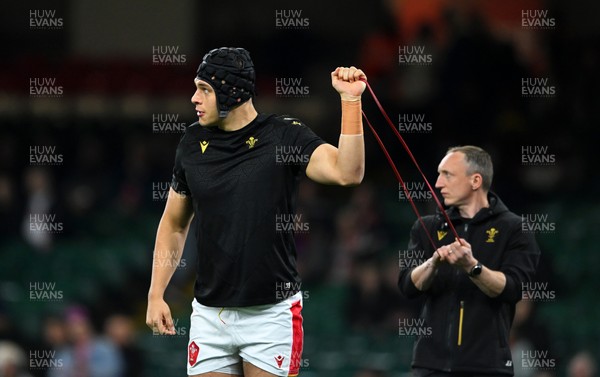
<point>458,255</point>
<point>158,317</point>
<point>347,82</point>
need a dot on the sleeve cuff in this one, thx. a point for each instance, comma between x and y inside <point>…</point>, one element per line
<point>512,292</point>
<point>406,285</point>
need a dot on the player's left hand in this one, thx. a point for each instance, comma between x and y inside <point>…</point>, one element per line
<point>457,254</point>
<point>347,82</point>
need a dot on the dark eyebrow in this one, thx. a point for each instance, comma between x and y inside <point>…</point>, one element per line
<point>202,85</point>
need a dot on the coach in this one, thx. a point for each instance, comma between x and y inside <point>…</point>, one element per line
<point>470,287</point>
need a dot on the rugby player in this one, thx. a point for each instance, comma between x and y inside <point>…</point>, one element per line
<point>237,171</point>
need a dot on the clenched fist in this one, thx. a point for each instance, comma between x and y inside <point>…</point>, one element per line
<point>347,81</point>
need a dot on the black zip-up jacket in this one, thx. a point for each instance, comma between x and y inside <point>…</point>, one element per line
<point>480,343</point>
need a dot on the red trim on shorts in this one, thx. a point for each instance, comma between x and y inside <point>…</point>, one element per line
<point>297,338</point>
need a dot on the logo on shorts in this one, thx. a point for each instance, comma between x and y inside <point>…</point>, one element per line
<point>279,360</point>
<point>193,351</point>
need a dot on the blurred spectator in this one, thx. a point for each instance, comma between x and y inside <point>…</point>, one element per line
<point>13,360</point>
<point>136,170</point>
<point>87,355</point>
<point>364,307</point>
<point>55,333</point>
<point>374,304</point>
<point>519,341</point>
<point>314,246</point>
<point>7,327</point>
<point>9,209</point>
<point>120,330</point>
<point>40,199</point>
<point>527,335</point>
<point>418,83</point>
<point>582,365</point>
<point>359,229</point>
<point>396,306</point>
<point>55,338</point>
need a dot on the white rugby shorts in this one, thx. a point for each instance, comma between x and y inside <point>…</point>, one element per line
<point>269,337</point>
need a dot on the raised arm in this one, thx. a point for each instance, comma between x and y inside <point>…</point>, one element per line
<point>344,165</point>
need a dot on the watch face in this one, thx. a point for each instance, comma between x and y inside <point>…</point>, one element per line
<point>476,270</point>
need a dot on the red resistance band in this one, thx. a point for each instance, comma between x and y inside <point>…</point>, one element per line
<point>399,177</point>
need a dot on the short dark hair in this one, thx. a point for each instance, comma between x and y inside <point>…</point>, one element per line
<point>478,161</point>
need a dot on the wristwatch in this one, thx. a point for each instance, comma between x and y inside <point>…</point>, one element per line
<point>476,270</point>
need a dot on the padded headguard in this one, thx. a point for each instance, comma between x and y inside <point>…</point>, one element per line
<point>230,72</point>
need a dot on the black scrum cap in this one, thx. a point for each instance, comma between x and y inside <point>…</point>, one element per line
<point>230,72</point>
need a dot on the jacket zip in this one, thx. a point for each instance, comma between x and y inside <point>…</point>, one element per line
<point>460,322</point>
<point>462,305</point>
<point>451,321</point>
